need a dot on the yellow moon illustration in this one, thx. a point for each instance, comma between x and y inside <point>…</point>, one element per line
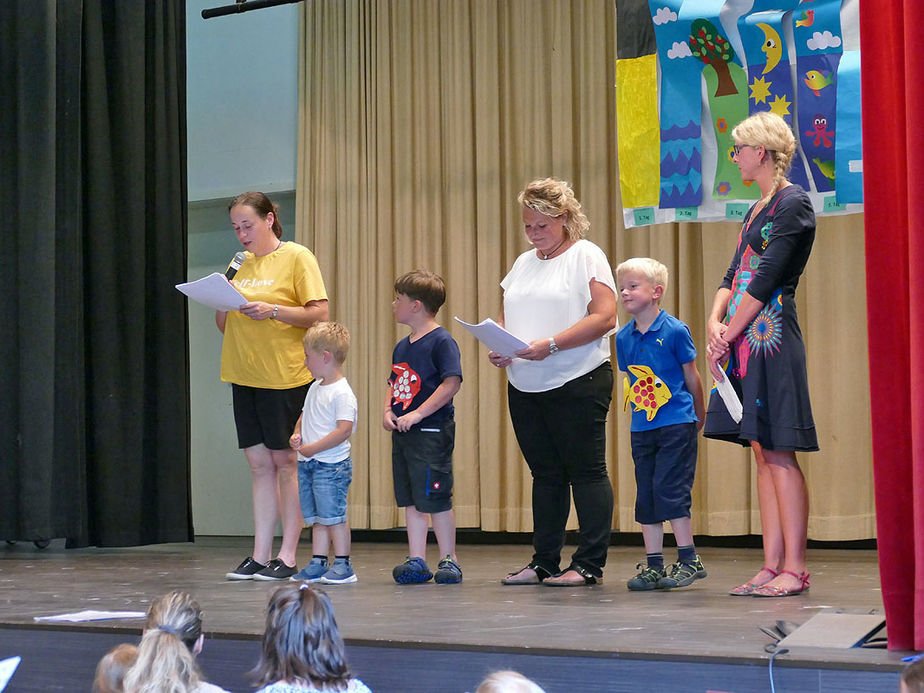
<point>773,46</point>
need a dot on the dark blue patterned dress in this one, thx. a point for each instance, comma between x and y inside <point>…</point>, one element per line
<point>767,363</point>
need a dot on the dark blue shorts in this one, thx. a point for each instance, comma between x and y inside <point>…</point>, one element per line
<point>665,463</point>
<point>421,461</point>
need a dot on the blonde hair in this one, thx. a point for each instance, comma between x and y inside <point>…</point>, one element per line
<point>553,198</point>
<point>770,131</point>
<point>166,663</point>
<point>508,682</point>
<point>328,336</point>
<point>111,670</point>
<point>654,271</point>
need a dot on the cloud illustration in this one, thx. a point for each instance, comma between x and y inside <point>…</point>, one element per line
<point>680,49</point>
<point>664,15</point>
<point>820,41</point>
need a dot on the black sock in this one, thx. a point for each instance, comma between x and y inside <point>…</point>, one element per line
<point>686,554</point>
<point>323,558</point>
<point>345,558</point>
<point>655,560</point>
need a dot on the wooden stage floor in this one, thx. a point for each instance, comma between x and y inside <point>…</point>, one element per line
<point>697,624</point>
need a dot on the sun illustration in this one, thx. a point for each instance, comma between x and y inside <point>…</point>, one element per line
<point>765,333</point>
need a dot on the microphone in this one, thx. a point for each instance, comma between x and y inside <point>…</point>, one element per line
<point>235,265</point>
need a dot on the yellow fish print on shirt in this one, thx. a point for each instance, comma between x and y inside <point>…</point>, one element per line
<point>648,393</point>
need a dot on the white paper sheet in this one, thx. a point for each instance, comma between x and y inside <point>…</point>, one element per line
<point>214,291</point>
<point>495,337</point>
<point>730,397</point>
<point>91,615</point>
<point>7,667</point>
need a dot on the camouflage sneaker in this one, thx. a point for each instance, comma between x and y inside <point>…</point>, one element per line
<point>683,574</point>
<point>649,578</point>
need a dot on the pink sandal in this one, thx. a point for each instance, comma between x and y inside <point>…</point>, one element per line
<point>773,591</point>
<point>747,589</point>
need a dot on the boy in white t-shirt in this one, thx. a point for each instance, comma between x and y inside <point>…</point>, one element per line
<point>322,439</point>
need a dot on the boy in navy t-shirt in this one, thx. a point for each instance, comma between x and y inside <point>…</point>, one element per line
<point>666,394</point>
<point>426,373</point>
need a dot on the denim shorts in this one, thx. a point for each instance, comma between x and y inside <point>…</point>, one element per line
<point>322,490</point>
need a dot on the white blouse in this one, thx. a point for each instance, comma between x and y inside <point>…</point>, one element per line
<point>545,297</point>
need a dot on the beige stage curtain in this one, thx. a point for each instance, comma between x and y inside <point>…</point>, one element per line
<point>419,122</point>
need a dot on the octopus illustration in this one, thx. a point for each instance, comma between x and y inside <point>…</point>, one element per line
<point>649,393</point>
<point>821,133</point>
<point>405,386</point>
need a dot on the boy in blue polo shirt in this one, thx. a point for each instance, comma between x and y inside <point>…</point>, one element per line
<point>663,386</point>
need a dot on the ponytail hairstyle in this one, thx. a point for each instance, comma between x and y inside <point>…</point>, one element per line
<point>553,198</point>
<point>166,661</point>
<point>301,642</point>
<point>262,205</point>
<point>770,131</point>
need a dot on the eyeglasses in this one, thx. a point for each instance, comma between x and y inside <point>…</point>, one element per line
<point>738,147</point>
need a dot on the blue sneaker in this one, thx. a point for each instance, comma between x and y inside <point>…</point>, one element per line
<point>311,572</point>
<point>412,571</point>
<point>340,573</point>
<point>448,572</point>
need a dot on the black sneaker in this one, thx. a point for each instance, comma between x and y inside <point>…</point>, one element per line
<point>246,570</point>
<point>683,574</point>
<point>649,578</point>
<point>448,572</point>
<point>276,570</point>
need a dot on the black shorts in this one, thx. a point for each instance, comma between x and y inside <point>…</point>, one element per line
<point>421,461</point>
<point>266,417</point>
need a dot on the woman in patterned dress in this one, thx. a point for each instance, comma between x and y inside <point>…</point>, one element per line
<point>754,332</point>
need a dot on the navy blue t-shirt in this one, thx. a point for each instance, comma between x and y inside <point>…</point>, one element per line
<point>418,368</point>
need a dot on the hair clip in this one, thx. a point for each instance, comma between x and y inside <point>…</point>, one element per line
<point>304,586</point>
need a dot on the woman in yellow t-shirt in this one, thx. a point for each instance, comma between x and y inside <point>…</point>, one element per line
<point>262,357</point>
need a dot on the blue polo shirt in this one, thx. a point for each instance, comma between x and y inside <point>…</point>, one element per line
<point>654,364</point>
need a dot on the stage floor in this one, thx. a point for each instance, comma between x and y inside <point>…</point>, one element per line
<point>700,623</point>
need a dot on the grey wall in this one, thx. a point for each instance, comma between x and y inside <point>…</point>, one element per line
<point>242,104</point>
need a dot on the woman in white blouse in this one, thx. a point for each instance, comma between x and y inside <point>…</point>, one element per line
<point>560,298</point>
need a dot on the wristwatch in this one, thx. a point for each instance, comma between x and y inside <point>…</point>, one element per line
<point>553,347</point>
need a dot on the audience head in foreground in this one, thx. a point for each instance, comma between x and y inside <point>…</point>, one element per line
<point>111,670</point>
<point>302,649</point>
<point>508,682</point>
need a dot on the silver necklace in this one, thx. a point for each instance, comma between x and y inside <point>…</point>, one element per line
<point>546,256</point>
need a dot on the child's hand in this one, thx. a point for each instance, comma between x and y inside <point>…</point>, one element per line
<point>404,423</point>
<point>388,420</point>
<point>295,441</point>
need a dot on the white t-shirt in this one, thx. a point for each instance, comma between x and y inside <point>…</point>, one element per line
<point>545,297</point>
<point>325,405</point>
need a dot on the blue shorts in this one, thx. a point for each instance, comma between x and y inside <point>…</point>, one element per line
<point>322,490</point>
<point>421,462</point>
<point>665,462</point>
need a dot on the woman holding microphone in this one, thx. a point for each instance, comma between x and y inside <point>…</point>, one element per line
<point>262,357</point>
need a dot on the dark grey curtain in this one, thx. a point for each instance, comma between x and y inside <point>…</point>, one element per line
<point>94,376</point>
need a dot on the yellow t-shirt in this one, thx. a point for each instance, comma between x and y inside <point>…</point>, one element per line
<point>269,353</point>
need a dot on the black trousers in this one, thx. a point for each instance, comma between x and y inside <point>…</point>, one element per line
<point>562,434</point>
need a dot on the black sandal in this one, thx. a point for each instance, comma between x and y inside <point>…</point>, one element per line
<point>588,577</point>
<point>541,575</point>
